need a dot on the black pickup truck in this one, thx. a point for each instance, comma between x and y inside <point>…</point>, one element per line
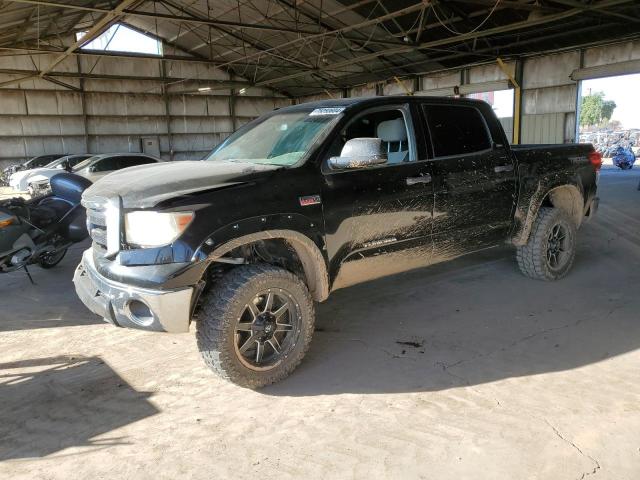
<point>315,197</point>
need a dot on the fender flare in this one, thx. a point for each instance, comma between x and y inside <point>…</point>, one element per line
<point>313,262</point>
<point>568,196</point>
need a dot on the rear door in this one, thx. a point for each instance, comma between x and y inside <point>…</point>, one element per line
<point>378,218</point>
<point>473,179</point>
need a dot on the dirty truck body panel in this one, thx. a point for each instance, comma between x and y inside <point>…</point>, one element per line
<point>451,185</point>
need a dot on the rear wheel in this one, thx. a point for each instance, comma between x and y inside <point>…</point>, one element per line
<point>256,325</point>
<point>550,251</point>
<point>50,260</point>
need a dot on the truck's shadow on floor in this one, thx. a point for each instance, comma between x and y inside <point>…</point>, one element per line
<point>51,302</point>
<point>465,323</point>
<point>64,402</point>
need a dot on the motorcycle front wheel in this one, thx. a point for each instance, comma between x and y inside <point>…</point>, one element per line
<point>50,260</point>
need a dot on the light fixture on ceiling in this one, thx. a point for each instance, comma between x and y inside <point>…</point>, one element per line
<point>242,91</point>
<point>535,13</point>
<point>204,89</point>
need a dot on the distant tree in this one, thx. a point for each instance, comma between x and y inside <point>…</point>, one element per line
<point>595,109</point>
<point>591,109</point>
<point>608,106</point>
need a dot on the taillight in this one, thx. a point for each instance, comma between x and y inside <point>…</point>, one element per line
<point>596,160</point>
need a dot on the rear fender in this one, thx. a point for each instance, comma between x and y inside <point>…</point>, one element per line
<point>560,189</point>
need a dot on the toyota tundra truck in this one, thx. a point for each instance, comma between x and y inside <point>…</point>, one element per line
<point>316,197</point>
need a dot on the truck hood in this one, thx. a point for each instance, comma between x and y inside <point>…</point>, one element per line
<point>147,185</point>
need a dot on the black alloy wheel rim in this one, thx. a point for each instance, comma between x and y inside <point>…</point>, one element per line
<point>558,247</point>
<point>267,329</point>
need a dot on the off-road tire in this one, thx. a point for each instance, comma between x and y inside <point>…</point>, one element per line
<point>532,257</point>
<point>221,308</point>
<point>50,262</point>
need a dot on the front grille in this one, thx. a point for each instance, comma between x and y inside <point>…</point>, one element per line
<point>97,223</point>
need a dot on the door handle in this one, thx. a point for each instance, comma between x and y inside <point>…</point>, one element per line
<point>503,168</point>
<point>426,178</point>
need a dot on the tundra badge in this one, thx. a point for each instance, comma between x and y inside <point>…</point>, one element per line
<point>310,200</point>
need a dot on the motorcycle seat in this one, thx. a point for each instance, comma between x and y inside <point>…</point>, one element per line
<point>49,211</point>
<point>66,189</point>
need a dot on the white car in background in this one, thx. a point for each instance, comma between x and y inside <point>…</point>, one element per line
<point>94,168</point>
<point>21,179</point>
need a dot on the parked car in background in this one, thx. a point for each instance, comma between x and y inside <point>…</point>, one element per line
<point>315,197</point>
<point>35,162</point>
<point>97,166</point>
<point>21,180</point>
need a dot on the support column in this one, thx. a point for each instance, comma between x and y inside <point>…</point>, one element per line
<point>576,134</point>
<point>232,106</point>
<point>167,112</point>
<point>85,122</point>
<point>517,97</point>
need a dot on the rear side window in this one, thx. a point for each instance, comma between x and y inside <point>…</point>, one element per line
<point>126,162</point>
<point>456,130</point>
<point>73,161</point>
<point>106,164</point>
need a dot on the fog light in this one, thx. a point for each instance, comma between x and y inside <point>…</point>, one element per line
<point>140,313</point>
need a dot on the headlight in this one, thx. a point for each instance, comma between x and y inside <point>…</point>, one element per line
<point>153,229</point>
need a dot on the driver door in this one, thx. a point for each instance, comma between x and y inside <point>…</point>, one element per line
<point>378,218</point>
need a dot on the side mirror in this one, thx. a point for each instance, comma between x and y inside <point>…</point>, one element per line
<point>92,168</point>
<point>359,153</point>
<point>65,165</point>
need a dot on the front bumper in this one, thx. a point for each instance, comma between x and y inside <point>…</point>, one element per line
<point>132,307</point>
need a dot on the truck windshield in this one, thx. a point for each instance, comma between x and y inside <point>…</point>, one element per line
<point>280,139</point>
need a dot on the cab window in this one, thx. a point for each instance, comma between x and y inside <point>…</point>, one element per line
<point>456,130</point>
<point>387,124</point>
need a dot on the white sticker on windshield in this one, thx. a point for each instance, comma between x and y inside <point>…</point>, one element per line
<point>327,111</point>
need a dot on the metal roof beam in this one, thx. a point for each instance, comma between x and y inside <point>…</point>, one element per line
<point>348,28</point>
<point>454,39</point>
<point>98,28</point>
<point>183,19</point>
<point>597,9</point>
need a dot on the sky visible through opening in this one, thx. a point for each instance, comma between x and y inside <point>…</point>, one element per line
<point>119,38</point>
<point>500,100</point>
<point>625,91</point>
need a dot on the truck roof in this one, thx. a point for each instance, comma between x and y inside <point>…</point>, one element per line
<point>360,101</point>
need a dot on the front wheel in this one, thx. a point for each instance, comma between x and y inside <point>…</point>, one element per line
<point>256,325</point>
<point>50,260</point>
<point>549,253</point>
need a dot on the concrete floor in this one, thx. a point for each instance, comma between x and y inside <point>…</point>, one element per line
<point>506,378</point>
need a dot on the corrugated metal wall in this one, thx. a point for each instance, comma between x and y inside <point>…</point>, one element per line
<point>114,114</point>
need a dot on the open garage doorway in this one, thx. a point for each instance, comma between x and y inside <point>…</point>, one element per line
<point>502,103</point>
<point>609,117</point>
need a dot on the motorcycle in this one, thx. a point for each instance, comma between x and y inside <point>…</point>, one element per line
<point>40,231</point>
<point>623,158</point>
